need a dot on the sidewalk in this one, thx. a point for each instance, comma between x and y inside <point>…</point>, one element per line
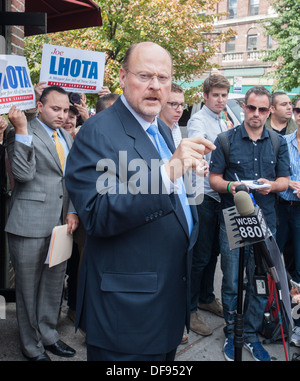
<point>198,348</point>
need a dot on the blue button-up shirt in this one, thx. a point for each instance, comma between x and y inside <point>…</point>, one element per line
<point>291,140</point>
<point>250,161</point>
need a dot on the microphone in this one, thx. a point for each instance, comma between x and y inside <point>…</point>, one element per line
<point>243,201</point>
<point>241,187</point>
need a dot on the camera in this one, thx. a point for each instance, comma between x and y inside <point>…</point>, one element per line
<point>74,98</point>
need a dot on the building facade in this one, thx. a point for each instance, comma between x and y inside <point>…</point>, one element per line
<point>242,56</point>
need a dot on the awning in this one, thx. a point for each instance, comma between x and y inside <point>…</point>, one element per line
<point>64,14</point>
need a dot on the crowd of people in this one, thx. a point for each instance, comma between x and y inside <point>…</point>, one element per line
<point>144,258</point>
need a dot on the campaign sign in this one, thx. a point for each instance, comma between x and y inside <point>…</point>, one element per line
<point>16,87</point>
<point>3,64</point>
<point>72,69</point>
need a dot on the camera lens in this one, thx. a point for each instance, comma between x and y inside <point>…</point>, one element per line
<point>74,98</point>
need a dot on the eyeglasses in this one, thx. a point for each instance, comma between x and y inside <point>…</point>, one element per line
<point>176,105</point>
<point>297,110</point>
<point>261,110</point>
<point>147,77</point>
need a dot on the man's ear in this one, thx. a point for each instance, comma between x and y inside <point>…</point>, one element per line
<point>122,77</point>
<point>39,106</point>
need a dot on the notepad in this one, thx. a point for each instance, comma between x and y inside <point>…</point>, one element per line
<point>60,248</point>
<point>252,185</point>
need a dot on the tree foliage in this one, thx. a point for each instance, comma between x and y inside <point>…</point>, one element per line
<point>184,27</point>
<point>285,28</point>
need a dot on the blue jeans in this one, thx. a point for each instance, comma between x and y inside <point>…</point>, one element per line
<point>289,222</point>
<point>205,253</point>
<point>254,306</point>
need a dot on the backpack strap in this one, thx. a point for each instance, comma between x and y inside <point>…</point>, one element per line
<point>275,141</point>
<point>225,145</point>
<point>223,139</point>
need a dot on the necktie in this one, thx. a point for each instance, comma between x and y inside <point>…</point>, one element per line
<point>59,149</point>
<point>166,154</point>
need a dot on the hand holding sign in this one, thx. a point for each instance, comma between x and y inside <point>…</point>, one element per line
<point>3,126</point>
<point>18,120</point>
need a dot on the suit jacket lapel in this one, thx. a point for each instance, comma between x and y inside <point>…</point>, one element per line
<point>68,138</point>
<point>146,149</point>
<point>167,135</point>
<point>142,144</point>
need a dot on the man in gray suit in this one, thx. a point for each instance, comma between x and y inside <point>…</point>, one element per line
<point>39,202</point>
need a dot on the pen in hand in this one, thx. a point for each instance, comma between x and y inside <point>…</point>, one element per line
<point>237,178</point>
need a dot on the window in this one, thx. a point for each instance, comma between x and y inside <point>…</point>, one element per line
<point>232,9</point>
<point>230,45</point>
<point>253,7</point>
<point>252,42</point>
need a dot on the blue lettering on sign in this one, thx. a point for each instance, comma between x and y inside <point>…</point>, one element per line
<point>16,77</point>
<point>74,68</point>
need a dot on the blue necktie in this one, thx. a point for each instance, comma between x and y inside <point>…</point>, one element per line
<point>166,154</point>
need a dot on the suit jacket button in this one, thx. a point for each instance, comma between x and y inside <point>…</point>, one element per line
<point>61,196</point>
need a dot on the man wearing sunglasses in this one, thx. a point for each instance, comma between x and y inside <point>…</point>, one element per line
<point>251,157</point>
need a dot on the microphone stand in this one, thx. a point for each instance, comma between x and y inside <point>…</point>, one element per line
<point>239,319</point>
<point>263,262</point>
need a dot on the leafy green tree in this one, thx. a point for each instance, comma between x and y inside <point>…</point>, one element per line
<point>184,27</point>
<point>285,28</point>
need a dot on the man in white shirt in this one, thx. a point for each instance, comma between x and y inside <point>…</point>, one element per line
<point>207,123</point>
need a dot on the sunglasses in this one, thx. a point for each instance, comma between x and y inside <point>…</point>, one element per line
<point>261,110</point>
<point>297,110</point>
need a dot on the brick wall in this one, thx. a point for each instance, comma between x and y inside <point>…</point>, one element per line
<point>15,34</point>
<point>244,25</point>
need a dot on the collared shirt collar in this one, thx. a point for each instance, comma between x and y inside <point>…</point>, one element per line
<point>244,133</point>
<point>49,130</point>
<point>292,138</point>
<point>141,120</point>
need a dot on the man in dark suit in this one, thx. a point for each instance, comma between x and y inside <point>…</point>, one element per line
<point>134,282</point>
<point>39,202</point>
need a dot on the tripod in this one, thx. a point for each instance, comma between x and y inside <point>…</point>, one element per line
<point>263,265</point>
<point>243,231</point>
